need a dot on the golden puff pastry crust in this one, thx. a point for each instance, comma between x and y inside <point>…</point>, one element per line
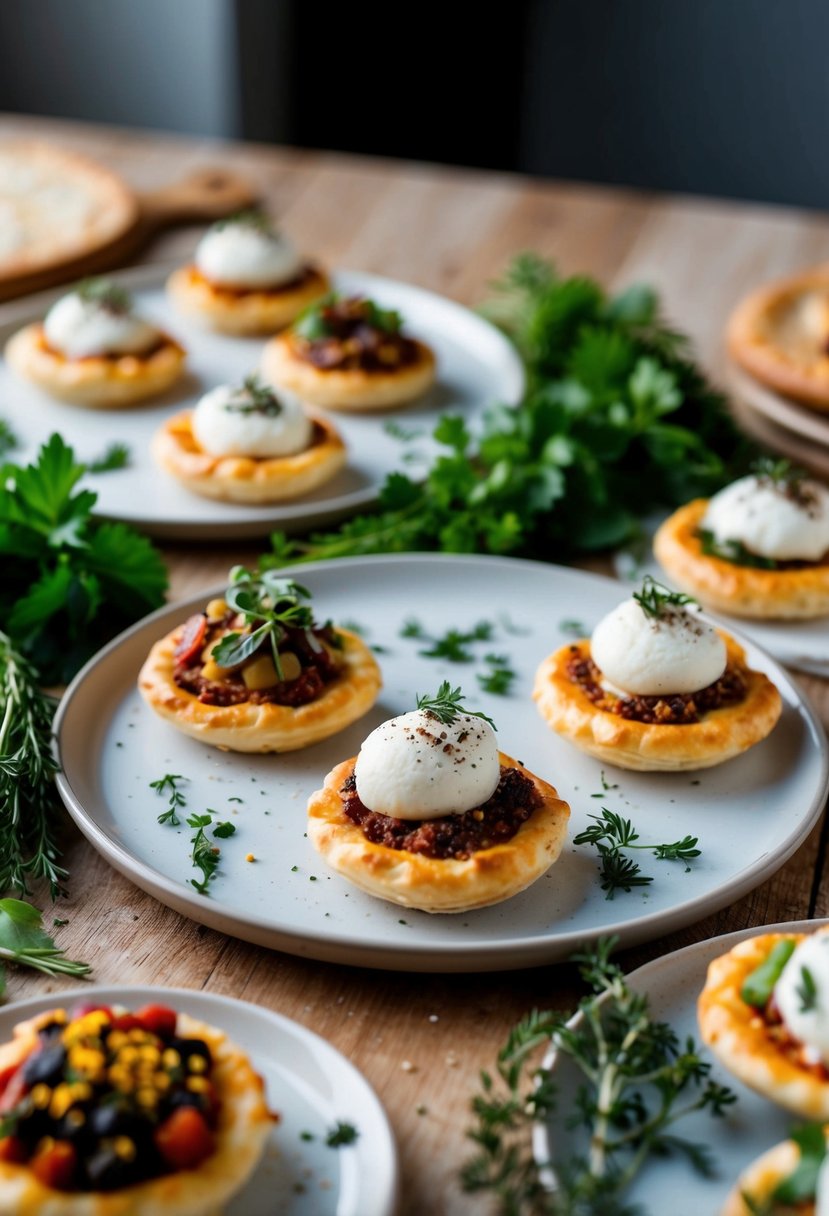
<point>414,880</point>
<point>255,310</point>
<point>355,389</point>
<point>780,335</point>
<point>653,747</point>
<point>97,381</point>
<point>794,593</point>
<point>255,727</point>
<point>247,479</point>
<point>740,1038</point>
<point>760,1180</point>
<point>243,1128</point>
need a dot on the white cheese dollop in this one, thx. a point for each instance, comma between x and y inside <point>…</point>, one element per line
<point>244,255</point>
<point>644,655</point>
<point>414,767</point>
<point>78,328</point>
<point>809,1024</point>
<point>223,426</point>
<point>769,522</point>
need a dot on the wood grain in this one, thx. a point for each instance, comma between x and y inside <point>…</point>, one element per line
<point>421,1040</point>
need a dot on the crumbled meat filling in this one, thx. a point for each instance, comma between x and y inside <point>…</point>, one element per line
<point>790,1047</point>
<point>451,836</point>
<point>319,667</point>
<point>675,709</point>
<point>352,341</point>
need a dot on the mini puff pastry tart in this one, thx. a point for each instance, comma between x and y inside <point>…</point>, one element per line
<point>249,445</point>
<point>350,354</point>
<point>247,278</point>
<point>431,815</point>
<point>780,335</point>
<point>772,1185</point>
<point>112,1113</point>
<point>764,1012</point>
<point>92,350</point>
<point>759,548</point>
<point>255,673</point>
<point>656,688</point>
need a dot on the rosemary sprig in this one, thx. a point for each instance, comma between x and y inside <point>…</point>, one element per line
<point>169,782</point>
<point>254,397</point>
<point>446,705</point>
<point>655,599</point>
<point>639,1081</point>
<point>29,804</point>
<point>611,834</point>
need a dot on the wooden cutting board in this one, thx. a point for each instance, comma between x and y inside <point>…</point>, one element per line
<point>63,216</point>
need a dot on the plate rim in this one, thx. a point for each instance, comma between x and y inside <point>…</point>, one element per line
<point>387,1199</point>
<point>289,515</point>
<point>509,955</point>
<point>785,412</point>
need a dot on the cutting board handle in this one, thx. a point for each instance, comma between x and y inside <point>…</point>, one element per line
<point>205,194</point>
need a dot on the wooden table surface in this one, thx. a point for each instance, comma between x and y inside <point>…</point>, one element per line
<point>451,231</point>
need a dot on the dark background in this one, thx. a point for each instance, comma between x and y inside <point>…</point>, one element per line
<point>722,97</point>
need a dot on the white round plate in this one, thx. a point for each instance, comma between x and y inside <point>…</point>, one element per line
<point>477,366</point>
<point>803,645</point>
<point>811,424</point>
<point>112,745</point>
<point>672,984</point>
<point>309,1084</point>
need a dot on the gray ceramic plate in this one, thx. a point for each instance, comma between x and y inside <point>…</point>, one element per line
<point>308,1083</point>
<point>753,1124</point>
<point>477,367</point>
<point>750,814</point>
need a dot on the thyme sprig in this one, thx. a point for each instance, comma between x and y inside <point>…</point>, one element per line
<point>446,705</point>
<point>655,599</point>
<point>29,804</point>
<point>639,1081</point>
<point>105,294</point>
<point>611,834</point>
<point>168,784</point>
<point>254,397</point>
<point>271,605</point>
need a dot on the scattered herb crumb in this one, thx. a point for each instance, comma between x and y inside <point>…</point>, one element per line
<point>307,1136</point>
<point>169,782</point>
<point>59,923</point>
<point>223,830</point>
<point>342,1134</point>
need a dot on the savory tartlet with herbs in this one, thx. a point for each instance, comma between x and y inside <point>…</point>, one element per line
<point>759,548</point>
<point>93,349</point>
<point>249,444</point>
<point>764,1012</point>
<point>246,278</point>
<point>350,354</point>
<point>656,688</point>
<point>254,672</point>
<point>106,1112</point>
<point>431,815</point>
<point>791,1179</point>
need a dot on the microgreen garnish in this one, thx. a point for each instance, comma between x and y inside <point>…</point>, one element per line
<point>611,835</point>
<point>499,676</point>
<point>116,456</point>
<point>606,786</point>
<point>105,294</point>
<point>254,397</point>
<point>23,941</point>
<point>248,217</point>
<point>341,1134</point>
<point>780,472</point>
<point>168,784</point>
<point>733,551</point>
<point>640,1079</point>
<point>807,991</point>
<point>204,854</point>
<point>453,645</point>
<point>224,829</point>
<point>655,599</point>
<point>29,804</point>
<point>268,603</point>
<point>446,705</point>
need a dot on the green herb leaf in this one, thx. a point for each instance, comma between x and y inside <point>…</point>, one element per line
<point>254,397</point>
<point>116,456</point>
<point>807,990</point>
<point>168,784</point>
<point>733,551</point>
<point>342,1134</point>
<point>611,834</point>
<point>225,829</point>
<point>655,599</point>
<point>446,705</point>
<point>106,294</point>
<point>801,1185</point>
<point>24,941</point>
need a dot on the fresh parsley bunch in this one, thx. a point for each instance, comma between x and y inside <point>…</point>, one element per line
<point>69,582</point>
<point>617,420</point>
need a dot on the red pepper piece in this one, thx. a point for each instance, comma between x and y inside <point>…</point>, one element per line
<point>55,1166</point>
<point>184,1139</point>
<point>158,1019</point>
<point>13,1090</point>
<point>191,642</point>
